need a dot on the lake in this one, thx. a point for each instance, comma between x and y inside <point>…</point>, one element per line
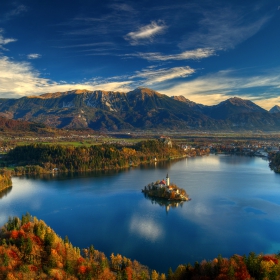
<point>235,208</point>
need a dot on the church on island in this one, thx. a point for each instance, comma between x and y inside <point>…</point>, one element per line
<point>163,189</point>
<point>164,184</point>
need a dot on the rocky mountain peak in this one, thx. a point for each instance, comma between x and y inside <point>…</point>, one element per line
<point>245,105</point>
<point>144,91</point>
<point>181,98</point>
<point>275,109</point>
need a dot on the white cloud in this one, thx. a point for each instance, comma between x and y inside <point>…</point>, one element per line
<point>19,79</point>
<point>5,41</point>
<point>122,86</point>
<point>161,75</point>
<point>33,56</point>
<point>214,88</point>
<point>146,33</point>
<point>193,54</point>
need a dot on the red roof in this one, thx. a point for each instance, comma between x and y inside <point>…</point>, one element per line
<point>162,182</point>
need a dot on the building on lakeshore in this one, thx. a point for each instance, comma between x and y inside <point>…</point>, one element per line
<point>166,140</point>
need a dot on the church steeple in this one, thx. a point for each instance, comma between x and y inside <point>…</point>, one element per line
<point>167,180</point>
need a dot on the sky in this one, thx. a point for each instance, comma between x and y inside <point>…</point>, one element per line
<point>207,51</point>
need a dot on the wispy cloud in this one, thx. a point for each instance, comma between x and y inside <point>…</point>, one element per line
<point>14,12</point>
<point>97,44</point>
<point>224,28</point>
<point>5,41</point>
<point>146,33</point>
<point>123,7</point>
<point>33,56</point>
<point>193,54</point>
<point>155,76</point>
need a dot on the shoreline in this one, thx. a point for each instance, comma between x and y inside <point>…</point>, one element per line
<point>97,169</point>
<point>134,165</point>
<point>5,188</point>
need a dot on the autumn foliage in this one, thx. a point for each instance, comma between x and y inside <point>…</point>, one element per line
<point>5,179</point>
<point>41,158</point>
<point>29,249</point>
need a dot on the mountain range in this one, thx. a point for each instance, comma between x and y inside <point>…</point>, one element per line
<point>142,108</point>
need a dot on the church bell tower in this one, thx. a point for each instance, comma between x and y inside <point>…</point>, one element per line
<point>167,180</point>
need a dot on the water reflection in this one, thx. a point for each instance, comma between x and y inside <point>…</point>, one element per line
<point>5,192</point>
<point>167,204</point>
<point>73,175</point>
<point>146,227</point>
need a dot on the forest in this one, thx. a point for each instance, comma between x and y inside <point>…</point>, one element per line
<point>29,249</point>
<point>41,158</point>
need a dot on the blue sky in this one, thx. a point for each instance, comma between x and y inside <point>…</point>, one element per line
<point>207,51</point>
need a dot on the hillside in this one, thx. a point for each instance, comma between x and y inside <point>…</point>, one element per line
<point>189,103</point>
<point>29,249</point>
<point>20,127</point>
<point>141,108</point>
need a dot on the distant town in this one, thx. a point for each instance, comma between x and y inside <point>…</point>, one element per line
<point>193,144</point>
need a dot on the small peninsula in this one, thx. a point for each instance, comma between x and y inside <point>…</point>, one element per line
<point>163,189</point>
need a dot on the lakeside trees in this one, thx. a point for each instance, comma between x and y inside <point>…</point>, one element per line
<point>29,249</point>
<point>5,179</point>
<point>40,158</point>
<point>274,162</point>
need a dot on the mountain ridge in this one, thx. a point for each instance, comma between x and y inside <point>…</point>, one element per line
<point>141,108</point>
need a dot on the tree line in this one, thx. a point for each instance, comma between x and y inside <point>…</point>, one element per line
<point>41,158</point>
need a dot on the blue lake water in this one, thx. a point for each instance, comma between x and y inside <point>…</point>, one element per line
<point>235,208</point>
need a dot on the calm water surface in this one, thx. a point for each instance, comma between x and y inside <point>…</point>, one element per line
<point>235,208</point>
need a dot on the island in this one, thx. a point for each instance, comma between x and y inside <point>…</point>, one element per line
<point>166,190</point>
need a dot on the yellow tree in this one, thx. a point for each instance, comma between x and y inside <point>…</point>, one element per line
<point>154,275</point>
